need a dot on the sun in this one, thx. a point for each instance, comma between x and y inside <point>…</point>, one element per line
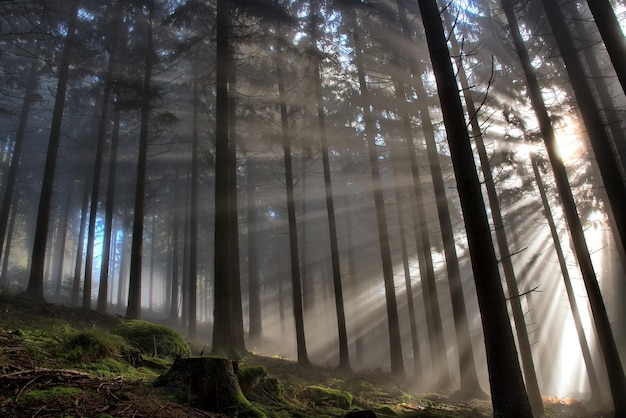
<point>569,144</point>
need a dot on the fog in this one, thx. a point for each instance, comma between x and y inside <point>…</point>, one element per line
<point>150,72</point>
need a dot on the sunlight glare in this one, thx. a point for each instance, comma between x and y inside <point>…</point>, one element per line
<point>569,144</point>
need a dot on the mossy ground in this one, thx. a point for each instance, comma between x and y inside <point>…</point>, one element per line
<point>60,361</point>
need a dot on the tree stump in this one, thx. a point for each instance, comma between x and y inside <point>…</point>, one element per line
<point>207,383</point>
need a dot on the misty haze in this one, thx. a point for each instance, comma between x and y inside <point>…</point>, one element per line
<point>313,208</point>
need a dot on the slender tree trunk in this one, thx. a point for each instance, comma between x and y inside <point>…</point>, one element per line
<point>234,221</point>
<point>612,35</point>
<point>296,283</point>
<point>174,302</point>
<point>95,190</point>
<point>606,100</point>
<point>101,306</point>
<point>415,348</point>
<point>508,393</point>
<point>344,358</point>
<point>4,278</point>
<point>598,309</point>
<point>596,395</point>
<point>223,333</point>
<point>600,142</point>
<point>38,256</point>
<point>122,283</point>
<point>81,242</point>
<point>528,366</point>
<point>192,332</point>
<point>467,366</point>
<point>152,261</point>
<point>7,201</point>
<point>254,286</point>
<point>62,237</point>
<point>395,345</point>
<point>133,310</point>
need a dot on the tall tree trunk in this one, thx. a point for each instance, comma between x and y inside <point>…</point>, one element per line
<point>612,35</point>
<point>508,393</point>
<point>255,320</point>
<point>122,282</point>
<point>395,345</point>
<point>596,395</point>
<point>296,283</point>
<point>38,256</point>
<point>101,306</point>
<point>7,200</point>
<point>133,310</point>
<point>223,333</point>
<point>467,366</point>
<point>81,242</point>
<point>344,359</point>
<point>62,237</point>
<point>598,309</point>
<point>606,100</point>
<point>192,332</point>
<point>152,261</point>
<point>4,278</point>
<point>600,142</point>
<point>528,365</point>
<point>174,302</point>
<point>234,221</point>
<point>95,187</point>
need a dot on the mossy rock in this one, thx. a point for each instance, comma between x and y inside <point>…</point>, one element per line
<point>328,397</point>
<point>153,339</point>
<point>94,344</point>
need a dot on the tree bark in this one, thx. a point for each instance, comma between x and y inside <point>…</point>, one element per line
<point>344,359</point>
<point>223,335</point>
<point>612,35</point>
<point>38,256</point>
<point>395,344</point>
<point>598,309</point>
<point>596,395</point>
<point>509,397</point>
<point>607,162</point>
<point>101,306</point>
<point>133,309</point>
<point>7,200</point>
<point>296,282</point>
<point>528,366</point>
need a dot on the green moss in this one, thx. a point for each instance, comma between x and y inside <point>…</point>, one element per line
<point>46,395</point>
<point>153,339</point>
<point>94,344</point>
<point>326,396</point>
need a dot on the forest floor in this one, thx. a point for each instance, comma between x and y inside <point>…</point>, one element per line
<point>39,379</point>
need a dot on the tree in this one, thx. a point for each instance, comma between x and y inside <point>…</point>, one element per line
<point>397,361</point>
<point>528,366</point>
<point>296,281</point>
<point>133,309</point>
<point>223,333</point>
<point>101,137</point>
<point>38,256</point>
<point>607,162</point>
<point>508,393</point>
<point>612,35</point>
<point>11,176</point>
<point>596,397</point>
<point>598,309</point>
<point>101,306</point>
<point>344,359</point>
